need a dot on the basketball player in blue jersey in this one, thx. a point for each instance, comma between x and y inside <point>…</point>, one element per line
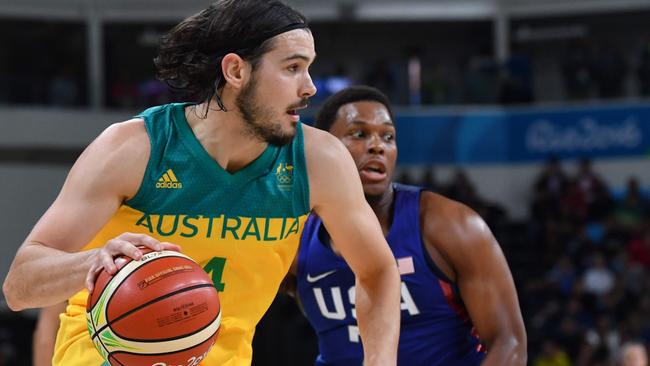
<point>229,177</point>
<point>458,297</point>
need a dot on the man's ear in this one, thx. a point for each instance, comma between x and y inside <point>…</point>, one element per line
<point>235,70</point>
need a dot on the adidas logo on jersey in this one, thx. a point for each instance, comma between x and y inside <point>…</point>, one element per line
<point>169,180</point>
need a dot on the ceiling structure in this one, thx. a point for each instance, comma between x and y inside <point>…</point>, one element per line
<point>320,10</point>
<point>95,13</point>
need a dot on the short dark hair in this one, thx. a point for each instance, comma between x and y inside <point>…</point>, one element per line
<point>189,56</point>
<point>358,93</point>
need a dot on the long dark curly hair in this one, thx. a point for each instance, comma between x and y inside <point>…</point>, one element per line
<point>189,56</point>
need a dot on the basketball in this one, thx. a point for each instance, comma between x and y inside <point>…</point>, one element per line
<point>160,310</point>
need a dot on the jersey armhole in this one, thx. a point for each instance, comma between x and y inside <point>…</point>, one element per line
<point>425,253</point>
<point>432,265</point>
<point>140,194</point>
<point>301,159</point>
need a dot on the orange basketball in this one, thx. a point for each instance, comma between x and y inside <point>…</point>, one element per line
<point>160,310</point>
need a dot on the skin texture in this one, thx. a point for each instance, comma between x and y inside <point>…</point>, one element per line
<point>45,334</point>
<point>456,238</point>
<point>111,169</point>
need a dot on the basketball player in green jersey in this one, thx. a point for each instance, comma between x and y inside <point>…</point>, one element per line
<point>229,178</point>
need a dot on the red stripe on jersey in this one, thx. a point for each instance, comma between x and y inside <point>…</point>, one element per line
<point>451,300</point>
<point>460,311</point>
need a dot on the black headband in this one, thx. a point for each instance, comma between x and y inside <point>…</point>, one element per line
<point>259,40</point>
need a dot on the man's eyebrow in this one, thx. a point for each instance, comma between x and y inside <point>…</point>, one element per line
<point>299,56</point>
<point>358,122</point>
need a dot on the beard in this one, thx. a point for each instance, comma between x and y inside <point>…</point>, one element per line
<point>259,118</point>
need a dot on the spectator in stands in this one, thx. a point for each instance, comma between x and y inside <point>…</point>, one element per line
<point>429,180</point>
<point>574,205</point>
<point>561,278</point>
<point>552,355</point>
<point>548,189</point>
<point>598,279</point>
<point>630,212</point>
<point>594,190</point>
<point>462,189</point>
<point>437,85</point>
<point>602,343</point>
<point>569,335</point>
<point>633,354</point>
<point>481,81</point>
<point>383,78</point>
<point>405,177</point>
<point>123,91</point>
<point>638,250</point>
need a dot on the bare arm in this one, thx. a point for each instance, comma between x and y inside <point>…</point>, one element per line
<point>45,334</point>
<point>48,268</point>
<point>465,242</point>
<point>337,197</point>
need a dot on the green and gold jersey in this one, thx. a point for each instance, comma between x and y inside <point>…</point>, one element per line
<point>243,228</point>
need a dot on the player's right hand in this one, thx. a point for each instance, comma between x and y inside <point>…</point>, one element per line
<point>125,244</point>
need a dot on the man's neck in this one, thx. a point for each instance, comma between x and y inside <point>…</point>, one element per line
<point>383,208</point>
<point>223,135</point>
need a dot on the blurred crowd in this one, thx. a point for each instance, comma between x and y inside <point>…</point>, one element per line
<point>590,292</point>
<point>581,263</point>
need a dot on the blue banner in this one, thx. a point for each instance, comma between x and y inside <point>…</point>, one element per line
<point>530,135</point>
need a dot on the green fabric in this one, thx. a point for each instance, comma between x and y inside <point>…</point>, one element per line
<point>182,178</point>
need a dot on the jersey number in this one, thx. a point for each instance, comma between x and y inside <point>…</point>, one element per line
<point>215,269</point>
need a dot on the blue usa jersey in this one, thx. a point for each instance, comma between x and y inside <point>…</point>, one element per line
<point>435,328</point>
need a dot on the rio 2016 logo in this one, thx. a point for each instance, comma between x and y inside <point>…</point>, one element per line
<point>192,361</point>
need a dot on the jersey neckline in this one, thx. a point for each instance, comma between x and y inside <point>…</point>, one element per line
<point>258,167</point>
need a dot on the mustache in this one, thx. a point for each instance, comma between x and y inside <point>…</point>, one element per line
<point>303,103</point>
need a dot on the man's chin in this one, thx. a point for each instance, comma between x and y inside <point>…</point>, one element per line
<point>281,140</point>
<point>374,191</point>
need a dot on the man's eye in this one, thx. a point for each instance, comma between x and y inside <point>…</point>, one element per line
<point>358,134</point>
<point>389,137</point>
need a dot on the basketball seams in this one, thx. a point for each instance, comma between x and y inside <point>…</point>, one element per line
<point>108,342</point>
<point>171,346</point>
<point>153,301</point>
<point>127,273</point>
<point>98,316</point>
<point>122,275</point>
<point>117,353</point>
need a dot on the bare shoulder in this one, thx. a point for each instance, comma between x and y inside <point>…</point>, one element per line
<point>118,157</point>
<point>321,144</point>
<point>326,156</point>
<point>332,173</point>
<point>124,138</point>
<point>451,226</point>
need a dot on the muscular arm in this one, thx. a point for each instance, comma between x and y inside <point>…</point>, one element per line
<point>45,334</point>
<point>337,197</point>
<point>48,268</point>
<point>465,243</point>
